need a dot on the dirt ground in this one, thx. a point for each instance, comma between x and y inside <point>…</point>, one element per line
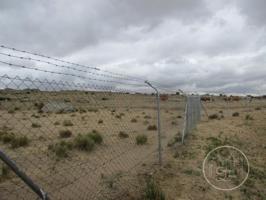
<point>103,173</point>
<point>181,177</point>
<point>118,167</point>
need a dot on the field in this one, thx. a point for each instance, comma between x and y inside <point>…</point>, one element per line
<point>102,145</point>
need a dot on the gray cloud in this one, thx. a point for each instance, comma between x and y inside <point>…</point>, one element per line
<point>195,45</point>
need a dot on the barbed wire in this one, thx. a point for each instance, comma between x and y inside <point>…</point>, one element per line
<point>68,74</point>
<point>65,67</point>
<point>71,63</point>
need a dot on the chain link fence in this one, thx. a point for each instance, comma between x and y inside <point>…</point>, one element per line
<point>87,137</point>
<point>79,141</point>
<point>192,114</point>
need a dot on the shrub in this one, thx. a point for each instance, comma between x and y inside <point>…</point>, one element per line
<point>67,123</point>
<point>152,128</point>
<point>16,108</point>
<point>153,191</point>
<point>133,120</point>
<point>7,137</point>
<point>179,116</point>
<point>104,99</point>
<point>19,142</point>
<point>84,143</point>
<point>141,139</point>
<point>35,125</point>
<point>57,123</point>
<point>11,111</point>
<point>213,116</point>
<point>221,112</point>
<point>36,116</point>
<point>118,116</point>
<point>248,117</point>
<point>82,110</point>
<point>65,133</point>
<point>61,149</point>
<point>92,110</point>
<point>100,121</point>
<point>146,122</point>
<point>122,134</point>
<point>235,114</point>
<point>258,108</point>
<point>147,117</point>
<point>39,106</point>
<point>174,123</point>
<point>4,171</point>
<point>96,137</point>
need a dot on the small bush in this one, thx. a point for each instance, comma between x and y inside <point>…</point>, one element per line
<point>179,116</point>
<point>133,120</point>
<point>235,114</point>
<point>141,139</point>
<point>122,134</point>
<point>248,117</point>
<point>36,116</point>
<point>118,116</point>
<point>84,143</point>
<point>19,142</point>
<point>67,123</point>
<point>39,106</point>
<point>61,149</point>
<point>213,116</point>
<point>35,125</point>
<point>65,133</point>
<point>4,171</point>
<point>152,128</point>
<point>16,108</point>
<point>146,122</point>
<point>100,121</point>
<point>82,110</point>
<point>11,111</point>
<point>96,137</point>
<point>221,112</point>
<point>104,99</point>
<point>57,123</point>
<point>147,117</point>
<point>153,191</point>
<point>7,137</point>
<point>174,123</point>
<point>92,110</point>
<point>258,108</point>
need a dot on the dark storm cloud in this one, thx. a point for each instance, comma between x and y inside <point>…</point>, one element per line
<point>196,45</point>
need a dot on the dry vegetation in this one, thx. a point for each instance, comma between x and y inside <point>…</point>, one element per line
<point>106,142</point>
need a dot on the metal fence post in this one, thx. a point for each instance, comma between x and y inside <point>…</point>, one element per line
<point>158,121</point>
<point>185,122</point>
<point>23,176</point>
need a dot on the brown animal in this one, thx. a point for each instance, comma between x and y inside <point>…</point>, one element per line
<point>235,98</point>
<point>164,97</point>
<point>232,98</point>
<point>205,98</point>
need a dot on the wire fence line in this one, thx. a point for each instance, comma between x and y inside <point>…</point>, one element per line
<point>192,114</point>
<point>82,140</point>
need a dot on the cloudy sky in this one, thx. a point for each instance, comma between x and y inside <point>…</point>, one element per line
<point>195,45</point>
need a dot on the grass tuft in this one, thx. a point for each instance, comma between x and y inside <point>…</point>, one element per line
<point>35,125</point>
<point>152,128</point>
<point>235,114</point>
<point>141,139</point>
<point>123,134</point>
<point>67,123</point>
<point>65,133</point>
<point>153,191</point>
